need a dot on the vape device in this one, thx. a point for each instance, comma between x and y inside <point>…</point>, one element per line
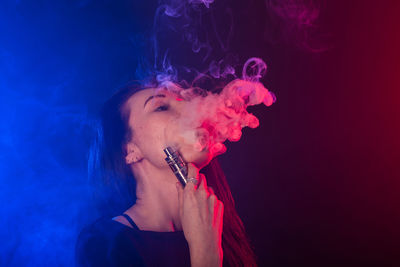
<point>178,166</point>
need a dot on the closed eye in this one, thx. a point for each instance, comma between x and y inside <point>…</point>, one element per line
<point>162,108</point>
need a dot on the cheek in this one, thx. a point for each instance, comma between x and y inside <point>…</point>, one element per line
<point>151,138</point>
<point>152,131</point>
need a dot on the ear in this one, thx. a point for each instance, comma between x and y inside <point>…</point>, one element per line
<point>133,153</point>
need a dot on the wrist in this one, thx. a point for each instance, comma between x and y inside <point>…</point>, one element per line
<point>206,255</point>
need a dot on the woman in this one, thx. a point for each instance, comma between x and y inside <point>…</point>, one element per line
<point>161,223</point>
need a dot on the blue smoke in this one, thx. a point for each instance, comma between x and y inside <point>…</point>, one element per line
<point>58,61</point>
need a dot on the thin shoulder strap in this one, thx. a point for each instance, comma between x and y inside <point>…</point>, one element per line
<point>130,221</point>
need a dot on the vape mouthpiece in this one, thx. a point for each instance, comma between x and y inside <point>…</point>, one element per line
<point>177,165</point>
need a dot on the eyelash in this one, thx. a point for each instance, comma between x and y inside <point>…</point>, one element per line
<point>162,106</point>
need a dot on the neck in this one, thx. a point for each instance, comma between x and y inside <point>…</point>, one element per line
<point>156,207</point>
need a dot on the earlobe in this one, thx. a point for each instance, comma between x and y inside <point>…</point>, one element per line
<point>132,153</point>
<point>129,159</point>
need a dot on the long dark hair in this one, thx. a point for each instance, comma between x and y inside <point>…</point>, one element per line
<point>114,185</point>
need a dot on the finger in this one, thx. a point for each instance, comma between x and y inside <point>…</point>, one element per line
<point>220,216</point>
<point>211,191</point>
<point>179,188</point>
<point>202,189</point>
<point>202,183</point>
<point>212,201</point>
<point>193,180</point>
<point>220,213</point>
<point>189,188</point>
<point>217,212</point>
<point>193,171</point>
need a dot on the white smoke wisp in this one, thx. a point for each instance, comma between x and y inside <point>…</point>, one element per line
<point>207,120</point>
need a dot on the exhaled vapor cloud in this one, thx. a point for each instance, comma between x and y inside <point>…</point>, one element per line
<point>209,119</point>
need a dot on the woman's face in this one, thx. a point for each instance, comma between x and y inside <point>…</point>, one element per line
<point>152,116</point>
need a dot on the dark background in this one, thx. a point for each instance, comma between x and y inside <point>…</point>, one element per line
<point>316,184</point>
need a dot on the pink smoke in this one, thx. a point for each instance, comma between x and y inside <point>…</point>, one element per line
<point>208,119</point>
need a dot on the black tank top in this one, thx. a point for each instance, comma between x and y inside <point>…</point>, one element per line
<point>107,242</point>
<point>130,221</point>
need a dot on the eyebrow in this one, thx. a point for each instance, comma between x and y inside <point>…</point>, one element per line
<point>151,97</point>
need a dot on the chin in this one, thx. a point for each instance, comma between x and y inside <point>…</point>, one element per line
<point>199,158</point>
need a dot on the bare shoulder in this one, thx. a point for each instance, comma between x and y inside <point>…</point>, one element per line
<point>123,220</point>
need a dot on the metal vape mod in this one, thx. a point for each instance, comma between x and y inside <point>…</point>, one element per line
<point>177,165</point>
